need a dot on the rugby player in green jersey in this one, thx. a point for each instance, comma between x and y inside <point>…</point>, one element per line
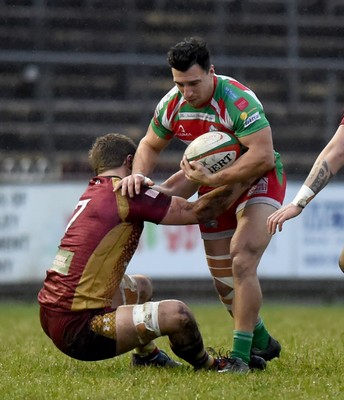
<point>203,101</point>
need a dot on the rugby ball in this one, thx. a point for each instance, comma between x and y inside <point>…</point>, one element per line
<point>214,150</point>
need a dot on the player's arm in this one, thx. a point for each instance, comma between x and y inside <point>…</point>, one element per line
<point>178,185</point>
<point>208,206</point>
<point>145,160</point>
<point>253,164</point>
<point>147,153</point>
<point>327,164</point>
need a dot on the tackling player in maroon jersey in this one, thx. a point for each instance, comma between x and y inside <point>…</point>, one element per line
<point>89,308</point>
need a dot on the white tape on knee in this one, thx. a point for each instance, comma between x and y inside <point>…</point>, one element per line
<point>147,314</point>
<point>128,282</point>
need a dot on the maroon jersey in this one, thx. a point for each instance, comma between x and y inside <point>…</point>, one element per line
<point>98,244</point>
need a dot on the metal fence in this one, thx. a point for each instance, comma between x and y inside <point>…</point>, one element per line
<point>72,70</point>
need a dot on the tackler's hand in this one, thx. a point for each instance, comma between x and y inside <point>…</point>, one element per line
<point>131,184</point>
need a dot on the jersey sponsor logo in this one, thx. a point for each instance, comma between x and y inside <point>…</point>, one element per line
<point>222,163</point>
<point>231,94</point>
<point>196,115</point>
<point>62,261</point>
<point>181,132</point>
<point>241,103</point>
<point>260,188</point>
<point>249,120</point>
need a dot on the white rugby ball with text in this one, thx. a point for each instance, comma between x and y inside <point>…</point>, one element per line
<point>214,150</point>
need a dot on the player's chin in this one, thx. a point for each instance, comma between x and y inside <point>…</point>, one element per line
<point>193,103</point>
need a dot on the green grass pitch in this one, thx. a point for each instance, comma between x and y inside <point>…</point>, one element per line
<point>311,364</point>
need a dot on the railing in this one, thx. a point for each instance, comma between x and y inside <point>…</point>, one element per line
<point>69,73</point>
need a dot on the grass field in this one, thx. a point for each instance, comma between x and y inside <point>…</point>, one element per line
<point>310,367</point>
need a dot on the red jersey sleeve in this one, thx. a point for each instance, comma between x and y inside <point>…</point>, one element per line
<point>150,205</point>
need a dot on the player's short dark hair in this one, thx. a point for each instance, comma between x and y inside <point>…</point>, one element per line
<point>110,151</point>
<point>190,51</point>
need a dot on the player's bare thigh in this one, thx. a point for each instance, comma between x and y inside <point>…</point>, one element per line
<point>251,231</point>
<point>217,247</point>
<point>251,236</point>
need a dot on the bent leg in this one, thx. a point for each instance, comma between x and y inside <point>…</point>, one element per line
<point>133,289</point>
<point>136,289</point>
<point>140,324</point>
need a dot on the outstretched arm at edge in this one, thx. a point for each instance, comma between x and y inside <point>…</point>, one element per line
<point>327,164</point>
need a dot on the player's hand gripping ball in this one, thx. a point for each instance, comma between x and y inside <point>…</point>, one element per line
<point>214,150</point>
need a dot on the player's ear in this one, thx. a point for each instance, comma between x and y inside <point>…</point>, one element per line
<point>129,161</point>
<point>212,69</point>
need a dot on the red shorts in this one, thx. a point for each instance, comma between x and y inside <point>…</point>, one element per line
<point>71,333</point>
<point>268,190</point>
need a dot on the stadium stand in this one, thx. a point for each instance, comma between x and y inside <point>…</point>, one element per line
<point>73,69</point>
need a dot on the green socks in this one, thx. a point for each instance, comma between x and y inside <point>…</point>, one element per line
<point>260,336</point>
<point>242,342</point>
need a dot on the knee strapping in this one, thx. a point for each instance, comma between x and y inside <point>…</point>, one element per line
<point>225,280</point>
<point>221,270</point>
<point>146,318</point>
<point>223,257</point>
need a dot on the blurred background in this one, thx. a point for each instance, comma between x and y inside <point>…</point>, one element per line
<point>71,70</point>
